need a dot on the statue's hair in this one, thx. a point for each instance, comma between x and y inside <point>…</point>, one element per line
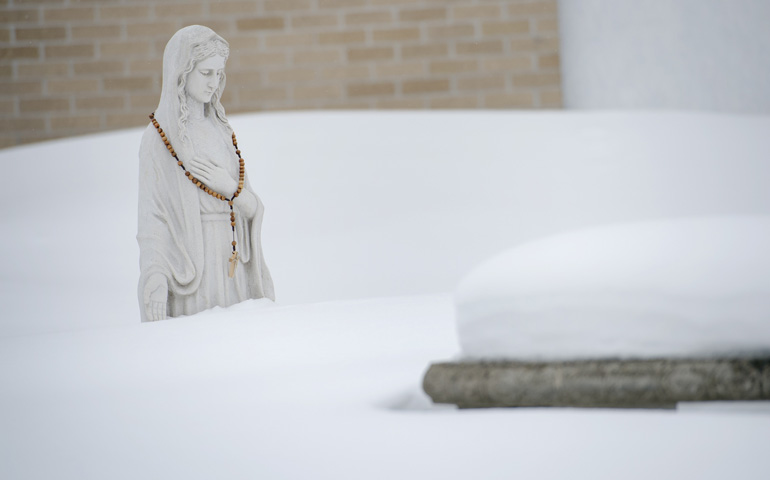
<point>201,51</point>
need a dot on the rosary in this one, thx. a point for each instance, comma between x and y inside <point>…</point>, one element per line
<point>234,257</point>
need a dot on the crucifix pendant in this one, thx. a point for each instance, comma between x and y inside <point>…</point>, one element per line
<point>233,263</point>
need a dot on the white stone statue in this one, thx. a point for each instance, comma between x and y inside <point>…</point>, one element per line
<point>199,220</point>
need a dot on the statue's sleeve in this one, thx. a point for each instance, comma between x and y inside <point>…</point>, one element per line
<point>168,230</point>
<point>261,280</point>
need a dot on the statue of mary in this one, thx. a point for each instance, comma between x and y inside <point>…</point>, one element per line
<point>199,220</point>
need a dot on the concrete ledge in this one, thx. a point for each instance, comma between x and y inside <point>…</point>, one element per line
<point>659,383</point>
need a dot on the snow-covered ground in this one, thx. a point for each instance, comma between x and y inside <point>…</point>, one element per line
<point>388,211</point>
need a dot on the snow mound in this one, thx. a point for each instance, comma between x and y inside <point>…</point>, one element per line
<point>694,287</point>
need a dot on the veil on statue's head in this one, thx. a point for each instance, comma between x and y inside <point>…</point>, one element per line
<point>183,51</point>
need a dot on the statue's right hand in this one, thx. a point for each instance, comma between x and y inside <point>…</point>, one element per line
<point>156,297</point>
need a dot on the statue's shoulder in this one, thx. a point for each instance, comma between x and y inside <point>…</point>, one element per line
<point>151,142</point>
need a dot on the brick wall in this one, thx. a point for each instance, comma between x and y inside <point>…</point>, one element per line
<point>70,67</point>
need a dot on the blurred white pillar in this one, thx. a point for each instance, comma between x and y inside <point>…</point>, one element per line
<point>671,54</point>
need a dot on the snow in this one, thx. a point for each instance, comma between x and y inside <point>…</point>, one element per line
<point>695,287</point>
<point>325,390</point>
<point>326,384</point>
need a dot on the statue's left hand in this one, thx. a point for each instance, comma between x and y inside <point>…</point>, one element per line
<point>215,177</point>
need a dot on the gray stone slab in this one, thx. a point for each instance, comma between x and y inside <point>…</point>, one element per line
<point>658,383</point>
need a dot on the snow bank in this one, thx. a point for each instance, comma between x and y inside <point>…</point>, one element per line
<point>365,204</point>
<point>316,392</point>
<point>682,288</point>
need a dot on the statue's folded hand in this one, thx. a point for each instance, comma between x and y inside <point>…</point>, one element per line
<point>215,177</point>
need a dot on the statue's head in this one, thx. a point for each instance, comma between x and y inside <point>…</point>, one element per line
<point>193,68</point>
<point>203,77</point>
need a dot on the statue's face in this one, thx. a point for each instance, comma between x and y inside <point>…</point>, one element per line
<point>203,81</point>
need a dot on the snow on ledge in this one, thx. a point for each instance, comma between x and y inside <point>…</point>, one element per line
<point>696,287</point>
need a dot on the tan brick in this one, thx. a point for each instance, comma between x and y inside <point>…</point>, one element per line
<point>482,82</point>
<point>536,80</point>
<point>509,100</point>
<point>289,39</point>
<point>7,141</point>
<point>371,89</point>
<point>455,102</point>
<point>69,51</point>
<point>260,59</point>
<point>122,120</point>
<point>453,66</point>
<point>344,37</point>
<point>479,47</point>
<point>76,122</point>
<point>532,8</point>
<point>309,21</point>
<point>547,25</point>
<point>179,10</point>
<point>422,14</point>
<point>345,72</point>
<point>13,53</point>
<point>511,63</point>
<point>73,86</point>
<point>401,69</point>
<point>287,5</point>
<point>260,23</point>
<point>548,60</point>
<point>400,103</point>
<point>6,72</point>
<point>425,50</point>
<point>7,107</point>
<point>341,3</point>
<point>243,42</point>
<point>244,78</point>
<point>317,92</point>
<point>128,83</point>
<point>96,31</point>
<point>396,34</point>
<point>44,105</point>
<point>395,2</point>
<point>21,88</point>
<point>550,98</point>
<point>465,12</point>
<point>21,124</point>
<point>535,43</point>
<point>163,29</point>
<point>114,12</point>
<point>451,31</point>
<point>263,94</point>
<point>368,54</point>
<point>317,56</point>
<point>291,75</point>
<point>18,16</point>
<point>144,66</point>
<point>146,102</point>
<point>73,14</point>
<point>425,85</point>
<point>233,7</point>
<point>5,35</point>
<point>513,27</point>
<point>45,33</point>
<point>100,103</point>
<point>100,67</point>
<point>361,18</point>
<point>122,49</point>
